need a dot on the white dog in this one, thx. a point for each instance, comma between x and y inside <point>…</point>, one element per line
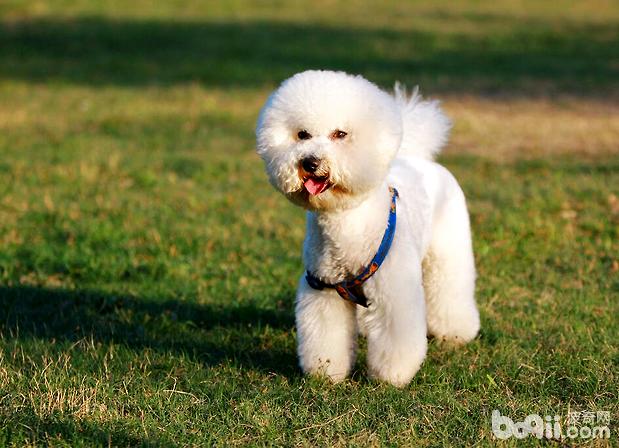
<point>360,161</point>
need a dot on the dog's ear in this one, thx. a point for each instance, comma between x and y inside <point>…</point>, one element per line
<point>271,130</point>
<point>388,125</point>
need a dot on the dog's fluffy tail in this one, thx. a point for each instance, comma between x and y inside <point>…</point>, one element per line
<point>425,126</point>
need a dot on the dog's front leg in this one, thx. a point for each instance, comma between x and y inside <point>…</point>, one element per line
<point>397,341</point>
<point>326,332</point>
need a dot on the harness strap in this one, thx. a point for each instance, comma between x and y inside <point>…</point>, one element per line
<point>352,290</point>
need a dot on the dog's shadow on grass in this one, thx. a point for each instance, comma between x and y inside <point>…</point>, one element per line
<point>42,431</point>
<point>209,334</point>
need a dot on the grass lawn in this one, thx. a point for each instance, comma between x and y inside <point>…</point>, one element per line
<point>147,268</point>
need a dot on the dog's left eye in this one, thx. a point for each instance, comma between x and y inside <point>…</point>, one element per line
<point>303,135</point>
<point>338,135</point>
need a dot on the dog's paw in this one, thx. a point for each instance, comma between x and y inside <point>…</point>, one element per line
<point>459,331</point>
<point>395,369</point>
<point>326,368</point>
<point>398,376</point>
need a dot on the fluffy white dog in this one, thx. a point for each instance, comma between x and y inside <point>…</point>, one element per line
<point>360,161</point>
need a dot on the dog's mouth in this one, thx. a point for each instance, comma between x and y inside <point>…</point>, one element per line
<point>316,184</point>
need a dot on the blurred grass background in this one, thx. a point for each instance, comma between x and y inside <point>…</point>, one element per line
<point>147,269</point>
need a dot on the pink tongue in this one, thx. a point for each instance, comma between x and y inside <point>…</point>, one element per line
<point>315,186</point>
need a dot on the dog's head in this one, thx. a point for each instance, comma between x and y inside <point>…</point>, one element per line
<point>328,138</point>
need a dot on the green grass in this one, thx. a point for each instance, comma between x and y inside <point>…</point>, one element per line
<point>147,268</point>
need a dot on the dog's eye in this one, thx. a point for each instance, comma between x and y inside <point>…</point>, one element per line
<point>338,135</point>
<point>304,135</point>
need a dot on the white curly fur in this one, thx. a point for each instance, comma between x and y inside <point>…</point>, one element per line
<point>426,284</point>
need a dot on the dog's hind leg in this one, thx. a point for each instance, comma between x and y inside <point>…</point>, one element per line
<point>326,332</point>
<point>449,274</point>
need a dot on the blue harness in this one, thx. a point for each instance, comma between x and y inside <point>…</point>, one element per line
<point>351,290</point>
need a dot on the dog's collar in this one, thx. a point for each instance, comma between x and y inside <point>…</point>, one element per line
<point>352,289</point>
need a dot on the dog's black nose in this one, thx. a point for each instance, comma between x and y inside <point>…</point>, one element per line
<point>310,164</point>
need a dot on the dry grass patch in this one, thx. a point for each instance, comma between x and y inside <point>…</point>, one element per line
<point>508,129</point>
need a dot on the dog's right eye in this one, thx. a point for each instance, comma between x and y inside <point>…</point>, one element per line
<point>304,135</point>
